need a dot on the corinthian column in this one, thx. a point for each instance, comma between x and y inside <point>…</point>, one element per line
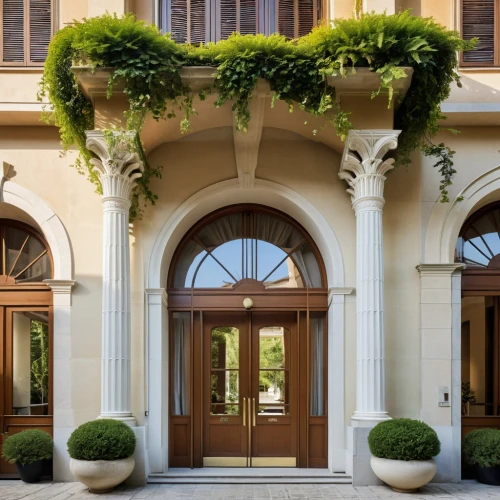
<point>364,168</point>
<point>118,169</point>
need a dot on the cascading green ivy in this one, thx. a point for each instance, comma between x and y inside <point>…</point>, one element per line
<point>149,64</point>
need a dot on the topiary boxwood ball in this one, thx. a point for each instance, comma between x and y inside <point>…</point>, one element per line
<point>103,439</point>
<point>403,439</point>
<point>482,447</point>
<point>27,447</point>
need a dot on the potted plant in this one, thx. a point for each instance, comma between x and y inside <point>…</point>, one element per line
<point>402,452</point>
<point>468,397</point>
<point>27,450</point>
<point>481,449</point>
<point>101,454</point>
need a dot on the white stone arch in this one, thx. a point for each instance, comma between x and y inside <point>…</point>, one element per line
<point>61,284</point>
<point>448,218</point>
<point>48,222</point>
<point>192,210</point>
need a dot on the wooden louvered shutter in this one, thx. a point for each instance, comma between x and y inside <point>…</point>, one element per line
<point>235,16</point>
<point>40,30</point>
<point>478,20</point>
<point>296,17</point>
<point>13,35</point>
<point>187,21</point>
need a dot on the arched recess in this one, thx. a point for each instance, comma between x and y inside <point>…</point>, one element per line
<point>56,237</point>
<point>447,218</point>
<point>191,211</point>
<point>49,224</point>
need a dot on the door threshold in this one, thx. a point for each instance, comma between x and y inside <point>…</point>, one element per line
<point>253,475</point>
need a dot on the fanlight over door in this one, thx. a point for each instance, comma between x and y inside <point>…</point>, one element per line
<point>198,21</point>
<point>247,244</point>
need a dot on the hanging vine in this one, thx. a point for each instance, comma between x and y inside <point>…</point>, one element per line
<point>149,64</point>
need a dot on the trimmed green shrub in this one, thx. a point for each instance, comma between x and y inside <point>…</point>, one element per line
<point>103,439</point>
<point>403,439</point>
<point>27,447</point>
<point>482,447</point>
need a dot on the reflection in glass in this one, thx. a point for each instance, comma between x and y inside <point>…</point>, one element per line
<point>225,373</point>
<point>274,410</point>
<point>211,274</point>
<point>30,371</point>
<point>192,255</point>
<point>273,372</point>
<point>317,336</point>
<point>181,365</point>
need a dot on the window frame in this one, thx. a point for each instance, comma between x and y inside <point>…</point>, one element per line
<point>27,53</point>
<point>496,43</point>
<point>263,17</point>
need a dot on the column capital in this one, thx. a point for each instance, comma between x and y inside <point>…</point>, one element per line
<point>363,166</point>
<point>118,166</point>
<point>61,290</point>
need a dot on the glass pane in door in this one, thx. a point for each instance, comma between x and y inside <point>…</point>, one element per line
<point>225,371</point>
<point>30,366</point>
<point>273,370</point>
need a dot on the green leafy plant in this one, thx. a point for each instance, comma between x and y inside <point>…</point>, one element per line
<point>403,439</point>
<point>468,394</point>
<point>27,447</point>
<point>149,64</point>
<point>481,447</point>
<point>103,439</point>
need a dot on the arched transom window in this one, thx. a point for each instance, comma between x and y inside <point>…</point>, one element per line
<point>479,241</point>
<point>248,243</point>
<point>201,21</point>
<point>24,256</point>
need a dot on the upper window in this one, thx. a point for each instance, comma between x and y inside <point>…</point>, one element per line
<point>479,20</point>
<point>24,256</point>
<point>247,244</point>
<point>479,241</point>
<point>197,21</point>
<point>26,31</point>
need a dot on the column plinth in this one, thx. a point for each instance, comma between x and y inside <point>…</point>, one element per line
<point>118,170</point>
<point>363,168</point>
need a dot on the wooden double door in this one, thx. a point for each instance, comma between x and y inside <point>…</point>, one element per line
<point>25,367</point>
<point>250,386</point>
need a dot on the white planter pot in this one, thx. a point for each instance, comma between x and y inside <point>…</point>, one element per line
<point>404,476</point>
<point>102,475</point>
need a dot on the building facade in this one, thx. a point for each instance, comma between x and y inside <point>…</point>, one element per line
<point>258,315</point>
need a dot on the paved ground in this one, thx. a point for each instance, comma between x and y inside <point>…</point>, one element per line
<point>468,490</point>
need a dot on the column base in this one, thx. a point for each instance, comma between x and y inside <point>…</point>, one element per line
<point>127,418</point>
<point>368,419</point>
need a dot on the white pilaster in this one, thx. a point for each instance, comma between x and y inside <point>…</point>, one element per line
<point>364,168</point>
<point>118,169</point>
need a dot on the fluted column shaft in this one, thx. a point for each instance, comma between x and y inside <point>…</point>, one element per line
<point>363,167</point>
<point>118,169</point>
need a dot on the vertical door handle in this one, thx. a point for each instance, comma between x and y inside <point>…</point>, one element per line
<point>244,412</point>
<point>253,413</point>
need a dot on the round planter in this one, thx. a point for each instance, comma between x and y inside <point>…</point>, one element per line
<point>488,475</point>
<point>31,473</point>
<point>102,475</point>
<point>404,476</point>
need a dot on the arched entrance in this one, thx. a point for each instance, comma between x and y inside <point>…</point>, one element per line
<point>248,347</point>
<point>26,337</point>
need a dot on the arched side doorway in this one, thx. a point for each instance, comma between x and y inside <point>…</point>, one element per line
<point>248,343</point>
<point>26,337</point>
<point>478,247</point>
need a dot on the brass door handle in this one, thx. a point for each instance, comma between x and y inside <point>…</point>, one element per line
<point>244,412</point>
<point>253,413</point>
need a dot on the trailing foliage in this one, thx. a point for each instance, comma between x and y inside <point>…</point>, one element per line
<point>149,64</point>
<point>482,447</point>
<point>403,439</point>
<point>104,439</point>
<point>27,447</point>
